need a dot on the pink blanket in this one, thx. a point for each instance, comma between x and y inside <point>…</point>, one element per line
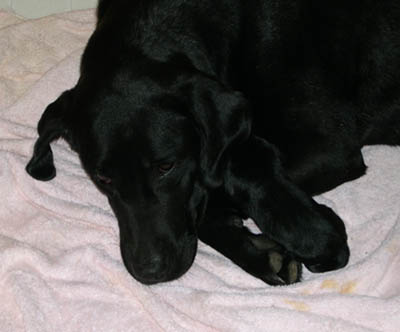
<point>60,266</point>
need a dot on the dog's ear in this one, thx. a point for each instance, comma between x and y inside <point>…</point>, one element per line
<point>222,118</point>
<point>52,125</point>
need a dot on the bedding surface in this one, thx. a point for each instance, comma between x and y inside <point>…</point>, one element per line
<point>60,265</point>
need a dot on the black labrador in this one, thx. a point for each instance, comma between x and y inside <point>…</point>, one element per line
<point>191,115</point>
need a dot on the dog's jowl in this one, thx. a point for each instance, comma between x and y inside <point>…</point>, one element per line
<point>191,115</point>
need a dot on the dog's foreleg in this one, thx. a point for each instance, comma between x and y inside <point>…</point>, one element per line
<point>256,183</point>
<point>263,258</point>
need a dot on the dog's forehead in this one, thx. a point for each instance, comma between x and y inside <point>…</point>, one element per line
<point>151,132</point>
<point>159,131</point>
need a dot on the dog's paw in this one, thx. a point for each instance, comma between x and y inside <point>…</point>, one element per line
<point>272,263</point>
<point>254,253</point>
<point>325,248</point>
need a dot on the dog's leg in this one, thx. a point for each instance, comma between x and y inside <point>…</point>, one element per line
<point>256,183</point>
<point>263,258</point>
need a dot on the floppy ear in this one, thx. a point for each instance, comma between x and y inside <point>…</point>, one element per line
<point>51,126</point>
<point>222,118</point>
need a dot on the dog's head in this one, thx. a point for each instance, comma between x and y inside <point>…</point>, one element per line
<point>155,143</point>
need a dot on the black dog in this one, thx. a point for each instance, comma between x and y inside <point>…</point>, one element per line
<point>193,114</point>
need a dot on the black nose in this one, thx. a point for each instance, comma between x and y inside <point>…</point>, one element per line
<point>153,264</point>
<point>152,270</point>
<point>149,267</point>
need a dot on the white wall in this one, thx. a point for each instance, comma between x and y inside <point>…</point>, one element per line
<point>5,4</point>
<point>37,8</point>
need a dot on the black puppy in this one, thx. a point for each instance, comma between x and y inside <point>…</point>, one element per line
<point>193,114</point>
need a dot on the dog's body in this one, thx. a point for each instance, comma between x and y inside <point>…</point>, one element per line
<point>190,114</point>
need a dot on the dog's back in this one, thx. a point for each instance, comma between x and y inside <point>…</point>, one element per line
<point>278,52</point>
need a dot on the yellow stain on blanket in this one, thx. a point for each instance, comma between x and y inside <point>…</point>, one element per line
<point>393,248</point>
<point>330,284</point>
<point>299,306</point>
<point>306,292</point>
<point>346,288</point>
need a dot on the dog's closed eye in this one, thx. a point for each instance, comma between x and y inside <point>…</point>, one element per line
<point>103,179</point>
<point>165,168</point>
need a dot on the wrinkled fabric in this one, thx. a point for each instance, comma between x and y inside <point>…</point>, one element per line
<point>60,264</point>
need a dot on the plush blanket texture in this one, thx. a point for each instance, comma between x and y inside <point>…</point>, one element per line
<point>60,265</point>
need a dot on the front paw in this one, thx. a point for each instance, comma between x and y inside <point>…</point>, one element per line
<point>323,244</point>
<point>328,262</point>
<point>271,263</point>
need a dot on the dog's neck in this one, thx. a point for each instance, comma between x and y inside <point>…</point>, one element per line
<point>162,31</point>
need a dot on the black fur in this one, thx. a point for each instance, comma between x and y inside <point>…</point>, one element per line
<point>192,114</point>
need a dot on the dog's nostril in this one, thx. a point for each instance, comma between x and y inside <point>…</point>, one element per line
<point>154,268</point>
<point>164,263</point>
<point>153,264</point>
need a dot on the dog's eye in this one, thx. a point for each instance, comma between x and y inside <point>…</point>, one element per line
<point>103,179</point>
<point>165,168</point>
